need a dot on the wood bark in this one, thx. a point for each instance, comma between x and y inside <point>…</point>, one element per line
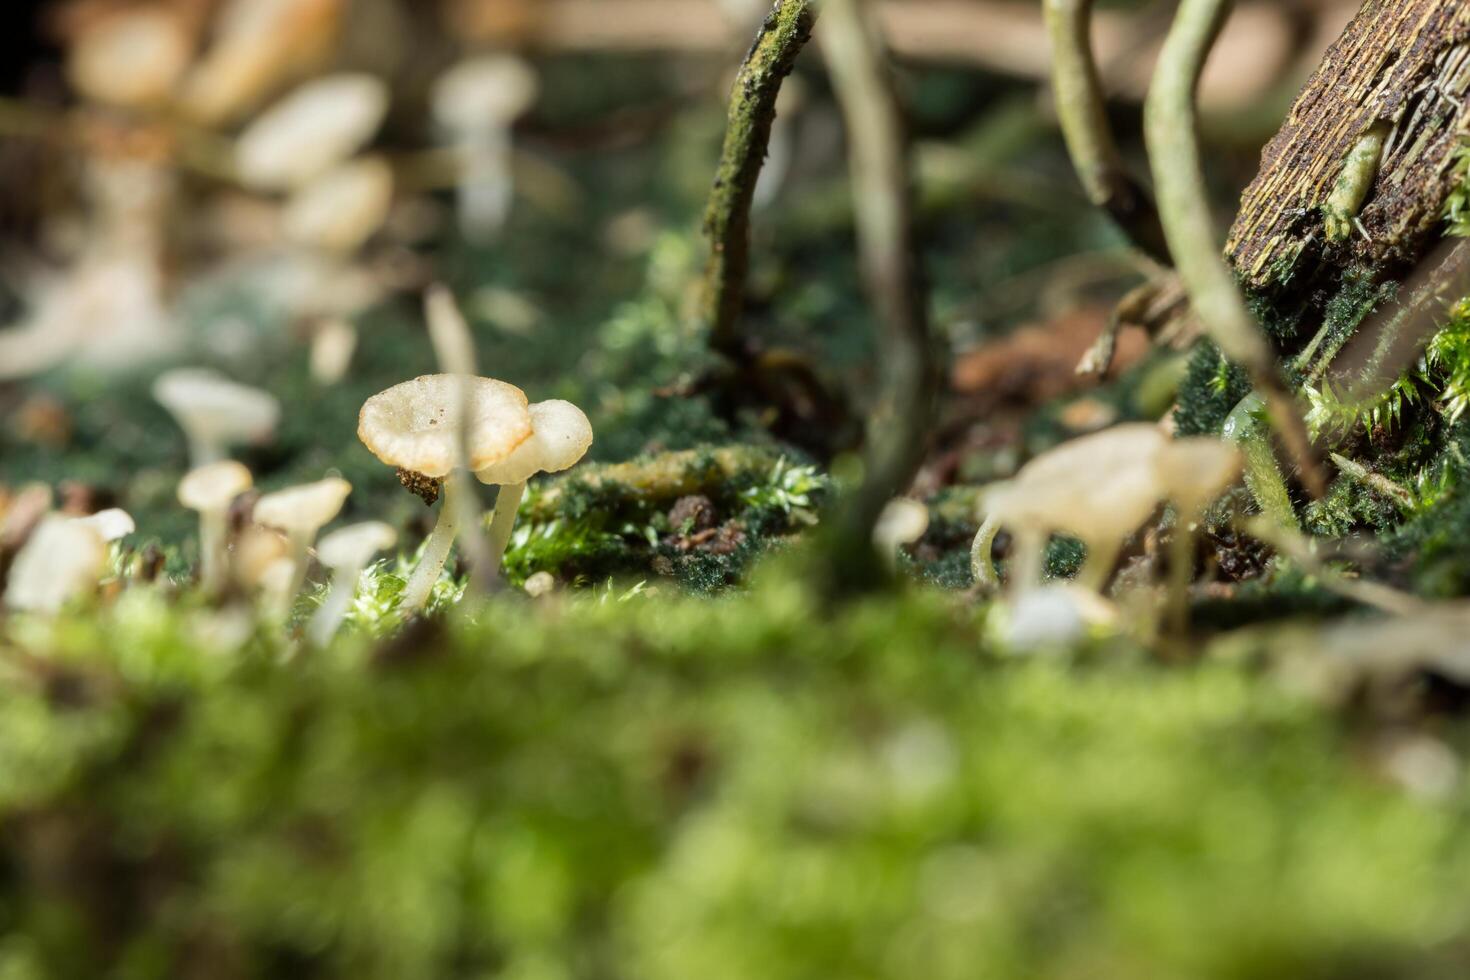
<point>1403,66</point>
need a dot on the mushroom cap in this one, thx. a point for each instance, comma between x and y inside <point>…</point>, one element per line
<point>413,425</point>
<point>1101,485</point>
<point>489,90</point>
<point>1195,470</point>
<point>354,546</point>
<point>214,486</point>
<point>112,524</point>
<point>132,58</point>
<point>561,436</point>
<point>903,521</point>
<point>343,208</point>
<point>211,407</point>
<point>62,560</point>
<point>303,509</point>
<point>311,130</point>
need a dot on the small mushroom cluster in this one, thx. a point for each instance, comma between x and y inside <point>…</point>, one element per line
<point>1100,489</point>
<point>505,440</point>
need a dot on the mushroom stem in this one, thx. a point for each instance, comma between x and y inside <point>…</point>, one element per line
<point>296,546</point>
<point>436,551</point>
<point>213,554</point>
<point>981,566</point>
<point>1098,568</point>
<point>1181,570</point>
<point>328,619</point>
<point>486,186</point>
<point>507,505</point>
<point>1029,563</point>
<point>202,452</point>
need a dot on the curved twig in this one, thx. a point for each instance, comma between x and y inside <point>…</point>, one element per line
<point>784,33</point>
<point>1170,124</point>
<point>1082,112</point>
<point>901,420</point>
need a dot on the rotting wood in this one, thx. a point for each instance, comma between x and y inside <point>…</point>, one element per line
<point>1403,63</point>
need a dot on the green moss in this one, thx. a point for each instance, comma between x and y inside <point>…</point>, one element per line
<point>659,788</point>
<point>1212,386</point>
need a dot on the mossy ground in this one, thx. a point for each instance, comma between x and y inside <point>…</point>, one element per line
<point>646,786</point>
<point>625,780</point>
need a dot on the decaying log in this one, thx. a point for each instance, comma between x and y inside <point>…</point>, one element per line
<point>1398,78</point>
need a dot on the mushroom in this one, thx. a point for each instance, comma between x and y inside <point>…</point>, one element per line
<point>215,412</point>
<point>415,427</point>
<point>131,58</point>
<point>560,438</point>
<point>340,210</point>
<point>902,522</point>
<point>476,102</point>
<point>299,513</point>
<point>209,490</point>
<point>111,525</point>
<point>316,127</point>
<point>1099,488</point>
<point>1192,472</point>
<point>347,552</point>
<point>62,561</point>
<point>259,44</point>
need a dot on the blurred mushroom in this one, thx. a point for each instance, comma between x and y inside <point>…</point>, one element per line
<point>62,562</point>
<point>258,46</point>
<point>476,102</point>
<point>340,210</point>
<point>210,490</point>
<point>415,426</point>
<point>346,552</point>
<point>1056,616</point>
<point>215,412</point>
<point>132,58</point>
<point>560,437</point>
<point>111,525</point>
<point>299,513</point>
<point>902,522</point>
<point>306,134</point>
<point>1099,488</point>
<point>332,345</point>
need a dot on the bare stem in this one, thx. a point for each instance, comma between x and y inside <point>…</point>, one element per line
<point>900,421</point>
<point>1170,128</point>
<point>1082,112</point>
<point>784,33</point>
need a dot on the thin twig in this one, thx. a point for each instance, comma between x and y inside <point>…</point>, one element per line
<point>1083,115</point>
<point>882,190</point>
<point>454,347</point>
<point>1401,496</point>
<point>784,33</point>
<point>1170,130</point>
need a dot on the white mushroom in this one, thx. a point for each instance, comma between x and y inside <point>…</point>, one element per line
<point>111,525</point>
<point>131,58</point>
<point>1098,488</point>
<point>321,124</point>
<point>415,427</point>
<point>299,513</point>
<point>62,562</point>
<point>902,522</point>
<point>476,102</point>
<point>340,210</point>
<point>1055,616</point>
<point>347,552</point>
<point>210,490</point>
<point>215,412</point>
<point>560,438</point>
